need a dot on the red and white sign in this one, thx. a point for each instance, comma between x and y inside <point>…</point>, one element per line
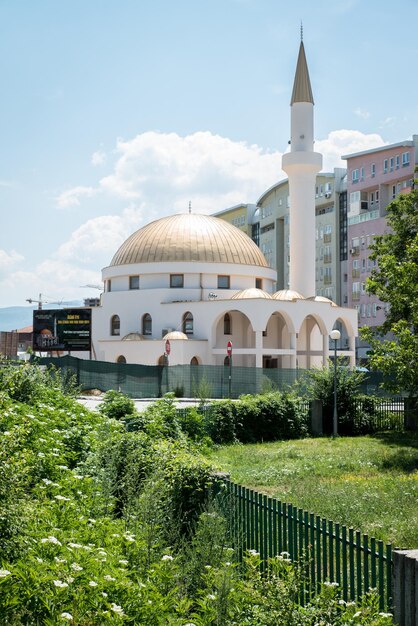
<point>167,347</point>
<point>229,348</point>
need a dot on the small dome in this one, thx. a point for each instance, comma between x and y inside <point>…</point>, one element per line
<point>189,237</point>
<point>322,299</point>
<point>246,294</point>
<point>287,295</point>
<point>133,337</point>
<point>175,335</point>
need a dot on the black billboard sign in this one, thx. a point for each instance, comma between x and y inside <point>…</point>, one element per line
<point>61,329</point>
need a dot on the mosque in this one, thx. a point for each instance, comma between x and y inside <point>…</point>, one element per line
<point>185,287</point>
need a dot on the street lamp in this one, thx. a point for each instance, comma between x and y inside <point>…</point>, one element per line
<point>335,336</point>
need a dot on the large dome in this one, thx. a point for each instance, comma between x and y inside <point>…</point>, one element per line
<point>189,237</point>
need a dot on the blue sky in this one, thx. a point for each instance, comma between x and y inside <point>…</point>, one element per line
<point>116,112</point>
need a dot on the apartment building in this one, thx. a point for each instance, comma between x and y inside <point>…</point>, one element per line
<point>374,178</point>
<point>267,223</point>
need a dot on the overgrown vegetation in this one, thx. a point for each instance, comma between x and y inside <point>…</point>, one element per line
<point>106,525</point>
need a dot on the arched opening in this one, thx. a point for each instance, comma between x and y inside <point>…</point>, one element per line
<point>194,361</point>
<point>227,324</point>
<point>115,325</point>
<point>188,323</point>
<point>310,347</point>
<point>147,324</point>
<point>121,359</point>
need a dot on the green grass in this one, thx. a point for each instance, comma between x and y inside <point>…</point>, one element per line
<point>368,483</point>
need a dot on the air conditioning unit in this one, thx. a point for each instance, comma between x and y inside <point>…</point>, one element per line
<point>328,194</point>
<point>165,331</point>
<point>353,251</point>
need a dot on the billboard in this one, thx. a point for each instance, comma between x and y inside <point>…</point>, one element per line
<point>61,329</point>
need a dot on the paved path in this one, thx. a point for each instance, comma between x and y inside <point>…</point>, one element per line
<point>93,402</point>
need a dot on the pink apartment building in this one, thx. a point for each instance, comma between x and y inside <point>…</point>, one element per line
<point>374,179</point>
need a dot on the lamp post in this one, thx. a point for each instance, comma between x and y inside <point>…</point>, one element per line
<point>335,336</point>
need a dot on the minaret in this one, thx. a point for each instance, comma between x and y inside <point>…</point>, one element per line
<point>301,165</point>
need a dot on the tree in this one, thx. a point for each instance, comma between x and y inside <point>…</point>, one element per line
<point>394,344</point>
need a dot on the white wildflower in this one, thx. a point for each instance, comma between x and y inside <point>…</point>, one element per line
<point>66,615</point>
<point>167,557</point>
<point>76,567</point>
<point>117,609</point>
<point>41,455</point>
<point>357,614</point>
<point>75,545</point>
<point>63,467</point>
<point>63,498</point>
<point>104,594</point>
<point>123,561</point>
<point>51,539</point>
<point>108,577</point>
<point>47,481</point>
<point>211,597</point>
<point>57,560</point>
<point>253,553</point>
<point>60,583</point>
<point>4,573</point>
<point>385,615</point>
<point>91,520</point>
<point>92,583</point>
<point>327,583</point>
<point>39,559</point>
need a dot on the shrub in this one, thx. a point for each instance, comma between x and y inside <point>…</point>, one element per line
<point>222,422</point>
<point>116,405</point>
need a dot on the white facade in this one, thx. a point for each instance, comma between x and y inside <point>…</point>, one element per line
<point>200,282</point>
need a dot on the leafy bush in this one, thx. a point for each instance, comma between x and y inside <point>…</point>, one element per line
<point>258,418</point>
<point>356,413</point>
<point>31,384</point>
<point>116,405</point>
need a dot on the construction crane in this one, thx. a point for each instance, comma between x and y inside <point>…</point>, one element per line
<point>40,302</point>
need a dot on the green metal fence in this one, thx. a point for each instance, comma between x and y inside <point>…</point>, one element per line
<point>329,551</point>
<point>153,381</point>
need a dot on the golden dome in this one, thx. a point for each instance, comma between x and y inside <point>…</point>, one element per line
<point>251,293</point>
<point>192,238</point>
<point>322,299</point>
<point>175,335</point>
<point>133,337</point>
<point>288,295</point>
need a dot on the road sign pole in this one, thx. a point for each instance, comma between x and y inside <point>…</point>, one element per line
<point>229,353</point>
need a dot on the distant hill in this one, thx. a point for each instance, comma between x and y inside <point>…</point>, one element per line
<point>15,317</point>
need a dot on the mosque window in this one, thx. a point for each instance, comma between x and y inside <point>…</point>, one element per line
<point>194,361</point>
<point>188,323</point>
<point>121,359</point>
<point>115,325</point>
<point>133,282</point>
<point>177,280</point>
<point>227,324</point>
<point>223,282</point>
<point>109,285</point>
<point>258,283</point>
<point>146,324</point>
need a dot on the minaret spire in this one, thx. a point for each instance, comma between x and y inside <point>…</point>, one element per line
<point>301,165</point>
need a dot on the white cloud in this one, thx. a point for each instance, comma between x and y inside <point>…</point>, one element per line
<point>98,239</point>
<point>388,121</point>
<point>165,171</point>
<point>362,113</point>
<point>71,197</point>
<point>9,259</point>
<point>98,157</point>
<point>340,142</point>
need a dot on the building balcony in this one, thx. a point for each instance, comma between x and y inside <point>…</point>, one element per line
<point>355,273</point>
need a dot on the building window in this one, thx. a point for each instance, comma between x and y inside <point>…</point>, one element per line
<point>405,159</point>
<point>354,176</point>
<point>385,166</point>
<point>115,325</point>
<point>146,324</point>
<point>374,309</point>
<point>362,173</point>
<point>258,283</point>
<point>133,282</point>
<point>397,161</point>
<point>391,163</point>
<point>109,285</point>
<point>393,192</point>
<point>188,323</point>
<point>223,282</point>
<point>176,280</point>
<point>194,361</point>
<point>121,359</point>
<point>373,170</point>
<point>227,324</point>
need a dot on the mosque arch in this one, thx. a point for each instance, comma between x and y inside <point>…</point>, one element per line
<point>115,325</point>
<point>121,359</point>
<point>194,360</point>
<point>310,342</point>
<point>227,324</point>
